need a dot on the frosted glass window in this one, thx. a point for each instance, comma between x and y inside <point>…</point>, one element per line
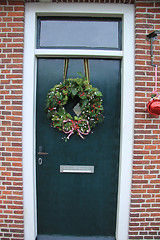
<point>79,33</point>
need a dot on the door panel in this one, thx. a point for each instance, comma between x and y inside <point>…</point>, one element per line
<point>70,204</point>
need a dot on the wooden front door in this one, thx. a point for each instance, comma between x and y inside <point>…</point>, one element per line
<point>78,205</point>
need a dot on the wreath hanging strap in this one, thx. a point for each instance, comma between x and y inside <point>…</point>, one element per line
<point>86,69</point>
<point>66,62</point>
<point>88,111</point>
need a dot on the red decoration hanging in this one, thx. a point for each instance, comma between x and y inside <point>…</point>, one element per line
<point>153,105</point>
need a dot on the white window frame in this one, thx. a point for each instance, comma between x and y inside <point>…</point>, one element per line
<point>32,10</point>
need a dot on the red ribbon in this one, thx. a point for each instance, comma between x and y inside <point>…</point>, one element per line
<point>75,127</point>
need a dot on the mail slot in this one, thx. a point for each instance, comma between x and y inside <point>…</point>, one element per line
<point>76,169</point>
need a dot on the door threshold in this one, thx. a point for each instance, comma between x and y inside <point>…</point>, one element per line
<point>55,237</point>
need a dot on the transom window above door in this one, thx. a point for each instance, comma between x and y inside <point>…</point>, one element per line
<point>79,33</point>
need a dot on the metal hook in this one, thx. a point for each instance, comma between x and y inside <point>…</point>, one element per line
<point>152,37</point>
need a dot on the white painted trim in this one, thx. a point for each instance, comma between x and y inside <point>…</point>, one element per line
<point>127,112</point>
<point>82,53</point>
<point>28,128</point>
<point>127,125</point>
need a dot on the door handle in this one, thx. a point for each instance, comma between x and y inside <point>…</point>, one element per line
<point>40,152</point>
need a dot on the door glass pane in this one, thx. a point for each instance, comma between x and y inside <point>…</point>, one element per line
<point>79,33</point>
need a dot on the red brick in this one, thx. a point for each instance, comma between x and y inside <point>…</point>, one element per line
<point>15,2</point>
<point>8,9</point>
<point>7,19</point>
<point>153,10</point>
<point>3,2</point>
<point>149,176</point>
<point>144,4</point>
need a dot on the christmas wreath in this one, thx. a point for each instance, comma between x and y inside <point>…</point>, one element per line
<point>88,110</point>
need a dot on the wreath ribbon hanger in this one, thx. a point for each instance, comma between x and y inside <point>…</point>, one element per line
<point>155,89</point>
<point>86,69</point>
<point>153,105</point>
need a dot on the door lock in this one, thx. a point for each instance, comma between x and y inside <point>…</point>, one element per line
<point>40,161</point>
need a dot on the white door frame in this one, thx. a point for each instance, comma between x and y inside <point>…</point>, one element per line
<point>32,10</point>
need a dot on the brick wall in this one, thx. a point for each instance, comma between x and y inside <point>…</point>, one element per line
<point>145,198</point>
<point>11,60</point>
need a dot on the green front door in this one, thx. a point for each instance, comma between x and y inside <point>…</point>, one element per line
<point>78,205</point>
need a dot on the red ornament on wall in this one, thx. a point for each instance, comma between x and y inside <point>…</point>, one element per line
<point>154,107</point>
